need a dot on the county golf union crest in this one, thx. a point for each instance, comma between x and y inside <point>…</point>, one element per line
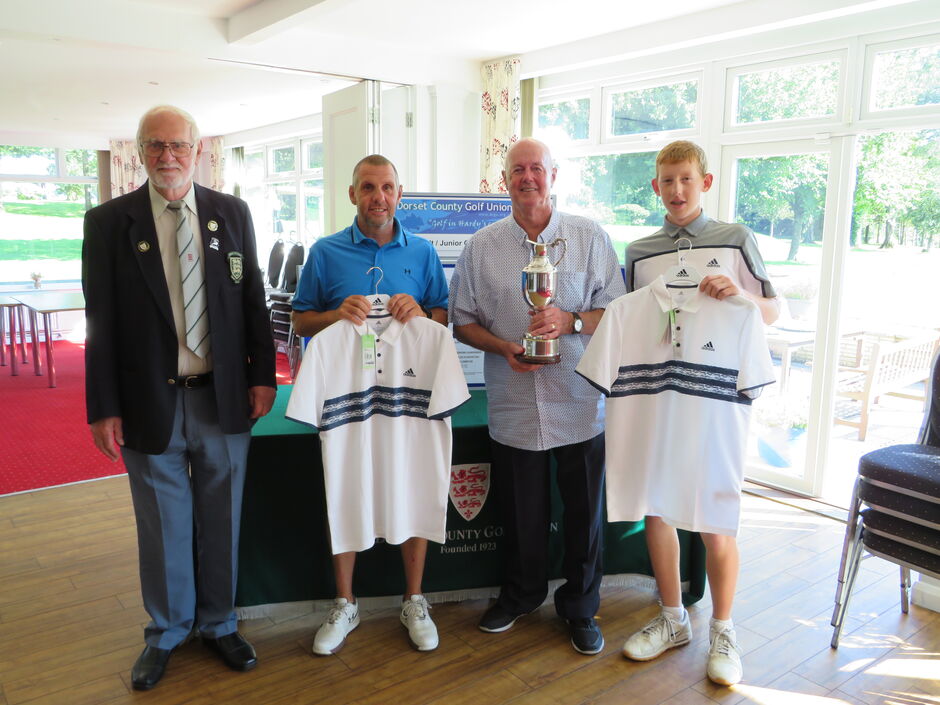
<point>469,487</point>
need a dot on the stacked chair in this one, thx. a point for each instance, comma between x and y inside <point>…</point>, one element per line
<point>279,305</point>
<point>272,275</point>
<point>895,509</point>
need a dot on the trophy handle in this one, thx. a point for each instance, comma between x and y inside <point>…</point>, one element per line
<point>564,249</point>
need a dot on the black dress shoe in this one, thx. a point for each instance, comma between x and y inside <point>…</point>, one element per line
<point>149,668</point>
<point>237,653</point>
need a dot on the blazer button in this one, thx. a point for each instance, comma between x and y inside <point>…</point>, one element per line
<point>171,381</point>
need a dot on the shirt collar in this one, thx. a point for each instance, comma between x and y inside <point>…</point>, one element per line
<point>390,335</point>
<point>398,238</point>
<point>547,235</point>
<point>158,202</point>
<point>692,229</point>
<point>661,294</point>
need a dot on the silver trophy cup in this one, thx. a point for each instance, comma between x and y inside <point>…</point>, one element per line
<point>539,281</point>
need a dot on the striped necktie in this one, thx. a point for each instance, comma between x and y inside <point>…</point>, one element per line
<point>194,285</point>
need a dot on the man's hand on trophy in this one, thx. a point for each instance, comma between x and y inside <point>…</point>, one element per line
<point>511,351</point>
<point>548,323</point>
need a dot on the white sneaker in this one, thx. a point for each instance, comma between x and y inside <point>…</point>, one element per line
<point>415,615</point>
<point>724,658</point>
<point>661,634</point>
<point>342,619</point>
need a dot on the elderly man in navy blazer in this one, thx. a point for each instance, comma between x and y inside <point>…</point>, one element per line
<point>179,361</point>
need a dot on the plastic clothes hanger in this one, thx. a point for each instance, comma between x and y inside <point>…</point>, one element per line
<point>378,301</point>
<point>682,275</point>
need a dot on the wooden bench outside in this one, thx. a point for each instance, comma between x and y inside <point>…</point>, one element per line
<point>873,364</point>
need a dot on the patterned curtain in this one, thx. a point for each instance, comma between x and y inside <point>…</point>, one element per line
<point>127,173</point>
<point>500,121</point>
<point>209,173</point>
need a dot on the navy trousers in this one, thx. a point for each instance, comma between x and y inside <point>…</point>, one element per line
<point>525,504</point>
<point>187,501</point>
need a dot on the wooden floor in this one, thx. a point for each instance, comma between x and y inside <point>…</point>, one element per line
<point>71,620</point>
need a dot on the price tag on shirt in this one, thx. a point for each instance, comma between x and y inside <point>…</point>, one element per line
<point>368,352</point>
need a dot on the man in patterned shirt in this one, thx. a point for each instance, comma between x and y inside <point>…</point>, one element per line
<point>538,411</point>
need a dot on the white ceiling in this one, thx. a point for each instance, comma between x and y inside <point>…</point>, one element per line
<point>75,73</point>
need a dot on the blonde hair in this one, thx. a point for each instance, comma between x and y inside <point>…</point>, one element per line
<point>682,151</point>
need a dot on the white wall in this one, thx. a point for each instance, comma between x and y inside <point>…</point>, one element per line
<point>448,140</point>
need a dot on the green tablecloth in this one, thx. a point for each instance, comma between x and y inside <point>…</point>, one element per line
<point>285,552</point>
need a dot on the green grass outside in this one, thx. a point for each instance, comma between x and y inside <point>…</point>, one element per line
<point>65,250</point>
<point>56,209</point>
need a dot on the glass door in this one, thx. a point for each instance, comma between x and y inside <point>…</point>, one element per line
<point>784,192</point>
<point>890,318</point>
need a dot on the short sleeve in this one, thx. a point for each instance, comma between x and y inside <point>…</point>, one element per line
<point>450,387</point>
<point>436,292</point>
<point>608,284</point>
<point>309,391</point>
<point>756,267</point>
<point>756,368</point>
<point>307,294</point>
<point>600,362</point>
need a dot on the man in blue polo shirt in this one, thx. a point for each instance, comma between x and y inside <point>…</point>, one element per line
<point>333,286</point>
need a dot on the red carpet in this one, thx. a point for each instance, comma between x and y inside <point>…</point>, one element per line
<point>46,441</point>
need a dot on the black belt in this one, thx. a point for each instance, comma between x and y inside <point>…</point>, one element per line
<point>192,381</point>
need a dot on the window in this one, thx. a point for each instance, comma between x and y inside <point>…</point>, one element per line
<point>894,230</point>
<point>32,161</point>
<point>283,185</point>
<point>904,77</point>
<point>282,160</point>
<point>313,214</point>
<point>568,117</point>
<point>613,189</point>
<point>661,108</point>
<point>313,155</point>
<point>784,144</point>
<point>787,92</point>
<point>44,194</point>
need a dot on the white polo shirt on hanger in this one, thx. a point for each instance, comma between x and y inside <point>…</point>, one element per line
<point>382,405</point>
<point>679,369</point>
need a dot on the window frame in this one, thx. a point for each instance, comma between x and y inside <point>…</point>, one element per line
<point>871,51</point>
<point>653,136</point>
<point>549,97</point>
<point>297,177</point>
<point>732,73</point>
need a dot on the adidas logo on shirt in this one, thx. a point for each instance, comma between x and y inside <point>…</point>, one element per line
<point>377,302</point>
<point>682,273</point>
<point>713,263</point>
<point>708,346</point>
<point>408,373</point>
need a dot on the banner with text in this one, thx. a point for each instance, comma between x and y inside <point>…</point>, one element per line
<point>449,219</point>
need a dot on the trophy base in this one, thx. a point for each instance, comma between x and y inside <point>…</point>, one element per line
<point>539,351</point>
<point>539,360</point>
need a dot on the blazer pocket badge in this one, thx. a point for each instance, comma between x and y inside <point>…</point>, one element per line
<point>236,266</point>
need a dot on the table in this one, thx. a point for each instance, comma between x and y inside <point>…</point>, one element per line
<point>285,554</point>
<point>16,312</point>
<point>784,341</point>
<point>48,303</point>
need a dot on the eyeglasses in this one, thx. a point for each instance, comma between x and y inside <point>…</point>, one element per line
<point>154,148</point>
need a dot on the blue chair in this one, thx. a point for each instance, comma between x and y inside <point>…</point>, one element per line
<point>895,509</point>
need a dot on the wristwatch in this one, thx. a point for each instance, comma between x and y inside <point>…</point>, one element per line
<point>578,324</point>
<point>426,311</point>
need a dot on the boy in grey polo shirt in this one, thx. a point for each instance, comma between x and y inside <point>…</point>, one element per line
<point>727,257</point>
